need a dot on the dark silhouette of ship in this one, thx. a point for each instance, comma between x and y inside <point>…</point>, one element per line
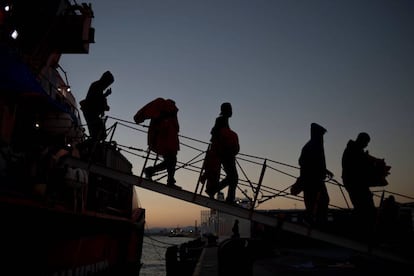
<point>57,219</point>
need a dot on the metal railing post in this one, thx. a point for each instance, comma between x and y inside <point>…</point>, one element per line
<point>201,173</point>
<point>256,193</point>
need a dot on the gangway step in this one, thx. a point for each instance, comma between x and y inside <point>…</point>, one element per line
<point>236,210</point>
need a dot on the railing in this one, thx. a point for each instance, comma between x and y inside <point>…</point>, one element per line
<point>274,179</point>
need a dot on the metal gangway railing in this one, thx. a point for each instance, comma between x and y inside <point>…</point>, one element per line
<point>261,180</point>
<point>257,193</point>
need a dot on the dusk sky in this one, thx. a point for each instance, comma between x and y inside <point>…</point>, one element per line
<point>347,65</point>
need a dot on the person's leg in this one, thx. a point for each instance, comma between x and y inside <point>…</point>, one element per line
<point>369,211</point>
<point>170,163</point>
<point>211,176</point>
<point>231,179</point>
<point>322,207</point>
<point>150,171</point>
<point>160,166</point>
<point>90,123</point>
<point>309,198</point>
<point>101,130</point>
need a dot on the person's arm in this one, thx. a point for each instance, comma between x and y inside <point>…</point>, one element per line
<point>107,92</point>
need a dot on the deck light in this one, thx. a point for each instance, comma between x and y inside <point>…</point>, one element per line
<point>14,34</point>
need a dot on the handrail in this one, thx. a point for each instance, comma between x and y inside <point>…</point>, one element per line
<point>261,191</point>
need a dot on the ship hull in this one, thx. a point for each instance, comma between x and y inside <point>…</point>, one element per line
<point>41,240</point>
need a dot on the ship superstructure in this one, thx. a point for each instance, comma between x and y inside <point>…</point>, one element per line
<point>57,219</point>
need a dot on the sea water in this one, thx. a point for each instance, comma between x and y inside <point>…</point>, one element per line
<point>153,253</point>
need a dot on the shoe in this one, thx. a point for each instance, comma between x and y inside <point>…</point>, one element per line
<point>149,172</point>
<point>232,202</point>
<point>174,186</point>
<point>210,194</point>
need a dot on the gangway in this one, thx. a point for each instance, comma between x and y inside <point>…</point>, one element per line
<point>236,210</point>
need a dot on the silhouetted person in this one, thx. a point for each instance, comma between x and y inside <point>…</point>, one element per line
<point>313,173</point>
<point>356,164</point>
<point>223,150</point>
<point>235,229</point>
<point>162,135</point>
<point>95,104</point>
<point>172,264</point>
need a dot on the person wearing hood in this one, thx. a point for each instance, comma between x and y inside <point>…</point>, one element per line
<point>95,104</point>
<point>313,173</point>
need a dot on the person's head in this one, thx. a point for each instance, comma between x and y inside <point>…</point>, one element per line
<point>107,78</point>
<point>226,110</point>
<point>317,130</point>
<point>170,107</point>
<point>363,139</point>
<point>391,198</point>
